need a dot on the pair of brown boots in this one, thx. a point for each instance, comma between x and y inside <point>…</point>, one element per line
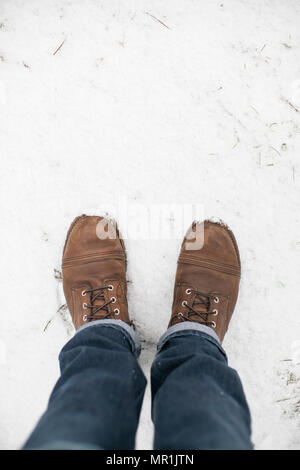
<point>206,283</point>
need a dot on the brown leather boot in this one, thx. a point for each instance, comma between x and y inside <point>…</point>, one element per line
<point>94,271</point>
<point>207,279</point>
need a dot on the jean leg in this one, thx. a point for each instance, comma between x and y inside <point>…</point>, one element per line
<point>198,401</point>
<point>96,402</point>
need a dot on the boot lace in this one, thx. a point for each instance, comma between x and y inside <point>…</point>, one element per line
<point>98,294</point>
<point>201,299</point>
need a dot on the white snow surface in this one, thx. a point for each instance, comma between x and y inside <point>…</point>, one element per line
<point>202,107</point>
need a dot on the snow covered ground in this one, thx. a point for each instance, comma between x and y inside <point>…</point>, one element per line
<point>157,103</point>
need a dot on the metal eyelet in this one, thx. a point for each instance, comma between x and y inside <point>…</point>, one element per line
<point>180,314</point>
<point>213,324</point>
<point>83,293</point>
<point>84,318</point>
<point>184,303</point>
<point>216,300</point>
<point>188,291</point>
<point>215,312</point>
<point>110,287</point>
<point>113,300</point>
<point>116,311</point>
<point>84,305</point>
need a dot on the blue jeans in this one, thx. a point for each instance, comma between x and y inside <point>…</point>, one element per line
<point>197,400</point>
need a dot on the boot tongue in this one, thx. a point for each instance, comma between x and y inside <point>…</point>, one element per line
<point>201,304</point>
<point>98,300</point>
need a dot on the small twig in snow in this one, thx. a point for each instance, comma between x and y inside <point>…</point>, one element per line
<point>157,19</point>
<point>291,105</point>
<point>59,47</point>
<point>275,150</point>
<point>283,147</point>
<point>60,311</point>
<point>284,399</point>
<point>237,142</point>
<point>48,323</point>
<point>57,274</point>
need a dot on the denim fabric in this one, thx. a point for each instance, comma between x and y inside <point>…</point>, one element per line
<point>97,400</point>
<point>197,400</point>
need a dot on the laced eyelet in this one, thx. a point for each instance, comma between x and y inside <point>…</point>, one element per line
<point>216,300</point>
<point>180,314</point>
<point>215,312</point>
<point>184,303</point>
<point>116,311</point>
<point>188,291</point>
<point>110,287</point>
<point>83,293</point>
<point>84,318</point>
<point>113,300</point>
<point>84,305</point>
<point>213,324</point>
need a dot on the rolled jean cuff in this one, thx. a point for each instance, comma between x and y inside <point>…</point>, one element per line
<point>129,332</point>
<point>193,328</point>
